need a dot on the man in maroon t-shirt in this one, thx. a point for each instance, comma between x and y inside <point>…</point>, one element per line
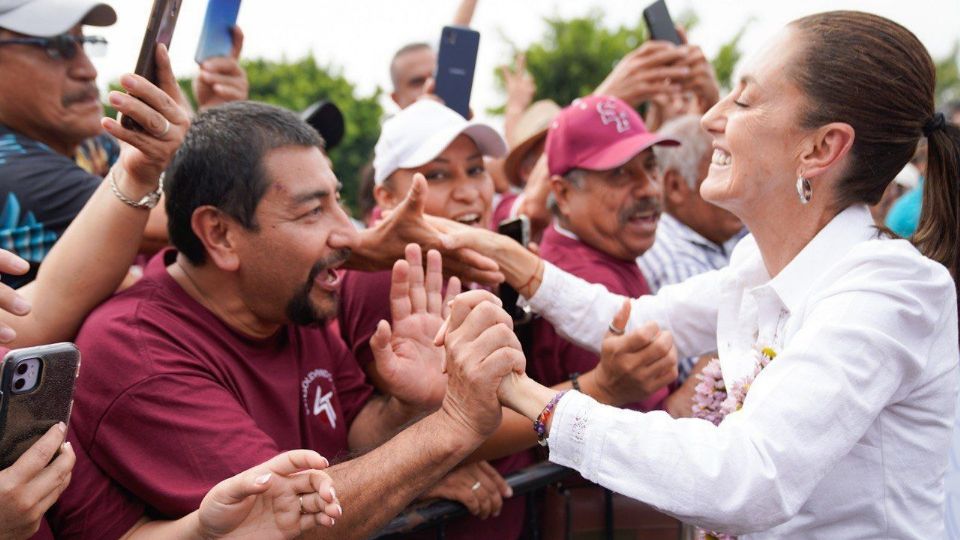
<point>219,358</point>
<point>606,198</point>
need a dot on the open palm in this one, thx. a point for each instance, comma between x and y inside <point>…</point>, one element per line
<point>407,361</point>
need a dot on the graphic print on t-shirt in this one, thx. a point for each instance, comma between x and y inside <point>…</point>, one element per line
<point>317,394</point>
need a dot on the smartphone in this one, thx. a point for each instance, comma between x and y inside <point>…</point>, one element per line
<point>216,38</point>
<point>519,230</point>
<point>456,62</point>
<point>36,392</point>
<point>163,20</point>
<point>660,23</point>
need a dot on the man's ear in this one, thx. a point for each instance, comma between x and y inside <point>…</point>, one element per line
<point>825,151</point>
<point>217,232</point>
<point>561,189</point>
<point>675,189</point>
<point>385,197</point>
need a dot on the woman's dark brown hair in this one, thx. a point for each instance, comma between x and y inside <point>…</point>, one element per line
<point>875,75</point>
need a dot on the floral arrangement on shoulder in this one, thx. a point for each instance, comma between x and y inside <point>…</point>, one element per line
<point>712,402</point>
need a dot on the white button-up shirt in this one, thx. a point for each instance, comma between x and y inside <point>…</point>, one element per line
<point>844,435</point>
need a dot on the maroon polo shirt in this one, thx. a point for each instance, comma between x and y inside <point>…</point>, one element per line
<point>172,400</point>
<point>364,302</point>
<point>555,359</point>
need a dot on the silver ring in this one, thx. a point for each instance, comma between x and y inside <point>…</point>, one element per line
<point>615,331</point>
<point>475,486</point>
<point>166,129</point>
<point>301,505</point>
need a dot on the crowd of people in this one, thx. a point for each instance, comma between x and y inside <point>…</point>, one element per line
<point>738,310</point>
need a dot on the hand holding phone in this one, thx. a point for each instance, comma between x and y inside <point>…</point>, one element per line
<point>36,386</point>
<point>456,63</point>
<point>163,21</point>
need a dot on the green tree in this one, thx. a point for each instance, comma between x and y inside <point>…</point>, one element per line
<point>948,76</point>
<point>295,85</point>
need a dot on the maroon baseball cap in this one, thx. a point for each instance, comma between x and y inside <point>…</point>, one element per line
<point>597,133</point>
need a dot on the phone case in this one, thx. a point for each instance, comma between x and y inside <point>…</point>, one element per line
<point>24,418</point>
<point>163,20</point>
<point>456,63</point>
<point>660,24</point>
<point>215,38</point>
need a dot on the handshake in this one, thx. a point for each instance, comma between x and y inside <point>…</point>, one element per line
<point>458,353</point>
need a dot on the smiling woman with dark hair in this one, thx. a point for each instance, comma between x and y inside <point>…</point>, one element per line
<point>837,344</point>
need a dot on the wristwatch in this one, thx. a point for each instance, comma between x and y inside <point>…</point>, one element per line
<point>148,202</point>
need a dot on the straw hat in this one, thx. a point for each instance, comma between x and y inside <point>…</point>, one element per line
<point>530,130</point>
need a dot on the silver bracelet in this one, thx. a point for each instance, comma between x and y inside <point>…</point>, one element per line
<point>148,202</point>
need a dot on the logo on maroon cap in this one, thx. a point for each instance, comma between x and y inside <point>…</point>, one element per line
<point>609,113</point>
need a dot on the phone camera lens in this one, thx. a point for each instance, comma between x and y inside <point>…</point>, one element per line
<point>22,368</point>
<point>19,384</point>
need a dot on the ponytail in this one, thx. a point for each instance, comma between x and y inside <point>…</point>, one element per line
<point>938,233</point>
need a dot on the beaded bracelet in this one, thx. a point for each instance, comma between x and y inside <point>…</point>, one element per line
<point>540,424</point>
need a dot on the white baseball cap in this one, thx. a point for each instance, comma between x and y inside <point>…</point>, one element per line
<point>418,134</point>
<point>46,18</point>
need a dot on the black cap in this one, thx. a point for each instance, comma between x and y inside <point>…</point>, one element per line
<point>326,118</point>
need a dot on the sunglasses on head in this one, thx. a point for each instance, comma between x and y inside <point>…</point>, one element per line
<point>64,46</point>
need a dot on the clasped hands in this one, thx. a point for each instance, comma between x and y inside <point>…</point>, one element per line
<point>457,351</point>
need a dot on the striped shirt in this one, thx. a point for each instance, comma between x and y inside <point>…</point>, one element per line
<point>678,254</point>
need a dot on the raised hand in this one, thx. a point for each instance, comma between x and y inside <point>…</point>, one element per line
<point>279,499</point>
<point>144,155</point>
<point>478,486</point>
<point>702,80</point>
<point>406,224</point>
<point>221,79</point>
<point>482,351</point>
<point>33,483</point>
<point>10,301</point>
<point>636,364</point>
<point>407,360</point>
<point>653,68</point>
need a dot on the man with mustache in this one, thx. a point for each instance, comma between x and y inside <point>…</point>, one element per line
<point>222,355</point>
<point>53,151</point>
<point>606,201</point>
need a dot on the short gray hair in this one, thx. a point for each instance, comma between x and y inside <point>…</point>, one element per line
<point>577,178</point>
<point>684,159</point>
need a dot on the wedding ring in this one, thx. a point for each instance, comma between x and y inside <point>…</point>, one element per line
<point>475,486</point>
<point>301,505</point>
<point>166,129</point>
<point>615,331</point>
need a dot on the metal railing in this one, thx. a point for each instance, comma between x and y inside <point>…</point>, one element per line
<point>437,515</point>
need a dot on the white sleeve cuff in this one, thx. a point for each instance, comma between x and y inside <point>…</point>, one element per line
<point>577,434</point>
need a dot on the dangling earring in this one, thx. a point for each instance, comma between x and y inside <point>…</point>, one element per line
<point>804,190</point>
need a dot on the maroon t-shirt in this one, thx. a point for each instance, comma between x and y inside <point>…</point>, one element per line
<point>555,359</point>
<point>92,507</point>
<point>172,400</point>
<point>364,302</point>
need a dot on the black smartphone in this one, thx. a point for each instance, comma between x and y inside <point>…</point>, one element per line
<point>660,23</point>
<point>456,63</point>
<point>519,230</point>
<point>216,38</point>
<point>163,20</point>
<point>36,392</point>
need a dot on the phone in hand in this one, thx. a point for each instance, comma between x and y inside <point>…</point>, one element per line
<point>163,20</point>
<point>216,38</point>
<point>660,23</point>
<point>36,392</point>
<point>456,62</point>
<point>519,230</point>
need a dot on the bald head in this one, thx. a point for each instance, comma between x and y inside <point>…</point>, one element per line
<point>410,68</point>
